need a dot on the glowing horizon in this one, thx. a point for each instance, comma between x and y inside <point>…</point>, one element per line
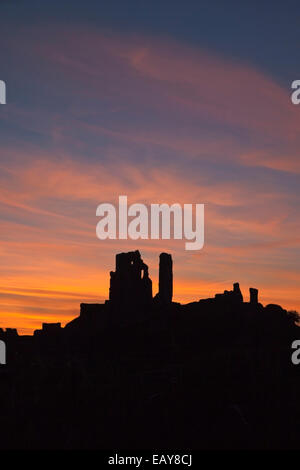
<point>100,113</point>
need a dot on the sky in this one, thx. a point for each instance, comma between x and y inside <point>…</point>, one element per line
<point>175,102</point>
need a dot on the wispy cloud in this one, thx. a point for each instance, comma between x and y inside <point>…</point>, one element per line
<point>158,121</point>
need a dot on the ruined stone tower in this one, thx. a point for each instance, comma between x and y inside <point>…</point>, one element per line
<point>165,293</point>
<point>130,284</point>
<point>253,295</point>
<point>237,291</point>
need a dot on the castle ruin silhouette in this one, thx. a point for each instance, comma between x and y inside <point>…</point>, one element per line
<point>130,295</point>
<point>144,372</point>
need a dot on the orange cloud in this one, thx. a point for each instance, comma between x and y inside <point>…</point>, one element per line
<point>158,121</point>
<point>52,260</point>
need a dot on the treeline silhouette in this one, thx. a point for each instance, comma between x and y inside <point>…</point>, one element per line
<point>143,372</point>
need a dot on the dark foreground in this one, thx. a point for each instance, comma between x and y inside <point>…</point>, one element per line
<point>145,373</point>
<point>195,377</point>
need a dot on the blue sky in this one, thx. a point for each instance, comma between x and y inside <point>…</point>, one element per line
<point>164,102</point>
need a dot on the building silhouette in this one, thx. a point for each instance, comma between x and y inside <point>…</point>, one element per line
<point>144,372</point>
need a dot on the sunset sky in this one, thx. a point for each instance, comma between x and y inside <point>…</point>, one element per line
<point>161,101</point>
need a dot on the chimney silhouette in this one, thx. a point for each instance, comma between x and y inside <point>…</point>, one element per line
<point>237,291</point>
<point>165,293</point>
<point>253,295</point>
